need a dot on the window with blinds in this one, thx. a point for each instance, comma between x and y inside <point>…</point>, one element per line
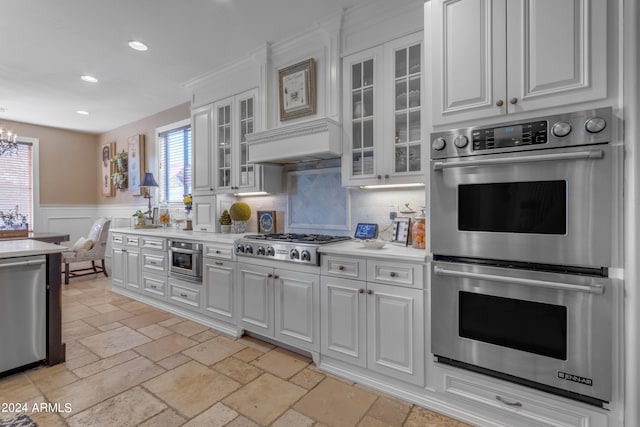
<point>16,175</point>
<point>174,158</point>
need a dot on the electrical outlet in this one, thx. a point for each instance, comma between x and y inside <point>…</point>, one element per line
<point>393,215</point>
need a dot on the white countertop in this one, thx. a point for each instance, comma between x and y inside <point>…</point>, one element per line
<point>181,234</point>
<point>27,247</point>
<point>389,251</point>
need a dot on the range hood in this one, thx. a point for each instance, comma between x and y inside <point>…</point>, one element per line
<point>311,140</point>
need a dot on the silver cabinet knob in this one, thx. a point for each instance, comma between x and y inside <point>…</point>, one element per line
<point>561,129</point>
<point>595,125</point>
<point>461,141</point>
<point>438,144</point>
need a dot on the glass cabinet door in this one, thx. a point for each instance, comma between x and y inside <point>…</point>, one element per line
<point>223,145</point>
<point>362,118</point>
<point>246,178</point>
<point>407,108</point>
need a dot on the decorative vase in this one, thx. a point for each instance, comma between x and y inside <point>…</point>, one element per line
<point>188,221</point>
<point>225,228</point>
<point>239,226</point>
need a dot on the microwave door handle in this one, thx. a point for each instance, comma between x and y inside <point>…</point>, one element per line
<point>575,155</point>
<point>592,289</point>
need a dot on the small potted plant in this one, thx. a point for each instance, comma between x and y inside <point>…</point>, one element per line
<point>141,219</point>
<point>225,222</point>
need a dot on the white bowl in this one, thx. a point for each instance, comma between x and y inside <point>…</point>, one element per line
<point>373,243</point>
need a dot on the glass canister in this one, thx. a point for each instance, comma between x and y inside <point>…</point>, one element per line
<point>164,216</point>
<point>418,231</point>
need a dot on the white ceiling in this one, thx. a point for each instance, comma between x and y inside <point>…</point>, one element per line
<point>47,45</point>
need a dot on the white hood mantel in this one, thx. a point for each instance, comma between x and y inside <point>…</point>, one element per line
<point>311,140</point>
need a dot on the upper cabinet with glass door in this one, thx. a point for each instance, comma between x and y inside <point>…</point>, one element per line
<point>383,114</point>
<point>235,118</point>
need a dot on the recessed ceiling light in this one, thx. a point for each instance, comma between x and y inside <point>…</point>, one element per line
<point>82,112</point>
<point>89,79</point>
<point>136,45</point>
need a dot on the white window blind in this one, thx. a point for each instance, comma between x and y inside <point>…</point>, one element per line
<point>16,175</point>
<point>174,154</point>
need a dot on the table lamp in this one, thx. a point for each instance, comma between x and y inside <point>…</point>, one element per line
<point>148,181</point>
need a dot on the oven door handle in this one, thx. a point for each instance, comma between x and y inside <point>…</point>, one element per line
<point>575,155</point>
<point>592,289</point>
<point>183,251</point>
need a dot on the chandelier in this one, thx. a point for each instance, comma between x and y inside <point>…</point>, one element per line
<point>8,144</point>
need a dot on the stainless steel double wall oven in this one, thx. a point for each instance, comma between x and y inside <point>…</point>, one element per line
<point>522,219</point>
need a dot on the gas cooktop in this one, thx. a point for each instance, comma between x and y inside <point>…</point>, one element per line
<point>289,247</point>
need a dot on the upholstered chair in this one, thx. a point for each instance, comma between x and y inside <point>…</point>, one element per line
<point>90,249</point>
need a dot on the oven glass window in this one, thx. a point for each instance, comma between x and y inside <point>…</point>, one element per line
<point>181,260</point>
<point>514,207</point>
<point>522,325</point>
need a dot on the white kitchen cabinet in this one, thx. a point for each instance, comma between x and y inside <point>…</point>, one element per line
<point>125,262</point>
<point>375,326</point>
<point>202,171</point>
<point>219,279</point>
<point>497,57</point>
<point>204,213</point>
<point>280,303</point>
<point>383,114</point>
<point>235,118</point>
<point>297,308</point>
<point>255,298</point>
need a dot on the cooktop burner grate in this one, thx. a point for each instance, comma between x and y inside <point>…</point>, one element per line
<point>297,238</point>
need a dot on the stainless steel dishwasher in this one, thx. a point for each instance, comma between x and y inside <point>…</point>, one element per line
<point>23,311</point>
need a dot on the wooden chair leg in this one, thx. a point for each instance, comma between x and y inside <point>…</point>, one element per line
<point>66,274</point>
<point>104,269</point>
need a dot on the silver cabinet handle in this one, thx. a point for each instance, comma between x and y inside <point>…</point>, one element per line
<point>592,289</point>
<point>575,155</point>
<point>506,402</point>
<point>219,263</point>
<point>183,295</point>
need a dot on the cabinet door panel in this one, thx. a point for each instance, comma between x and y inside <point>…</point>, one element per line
<point>469,51</point>
<point>343,316</point>
<point>218,279</point>
<point>297,316</point>
<point>556,52</point>
<point>204,209</point>
<point>133,269</point>
<point>201,120</point>
<point>256,298</point>
<point>117,267</point>
<point>396,332</point>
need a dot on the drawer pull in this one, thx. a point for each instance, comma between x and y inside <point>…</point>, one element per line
<point>218,252</point>
<point>369,292</point>
<point>219,263</point>
<point>341,268</point>
<point>269,275</point>
<point>154,287</point>
<point>361,291</point>
<point>183,295</point>
<point>153,263</point>
<point>393,274</point>
<point>506,402</point>
<point>276,276</point>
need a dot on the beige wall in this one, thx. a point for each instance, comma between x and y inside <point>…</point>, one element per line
<point>68,165</point>
<point>146,127</point>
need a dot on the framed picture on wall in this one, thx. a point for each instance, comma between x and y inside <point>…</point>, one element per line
<point>135,149</point>
<point>297,87</point>
<point>108,150</point>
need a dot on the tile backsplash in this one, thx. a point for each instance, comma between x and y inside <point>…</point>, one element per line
<point>323,202</point>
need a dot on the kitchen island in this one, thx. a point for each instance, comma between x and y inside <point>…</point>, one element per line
<point>34,264</point>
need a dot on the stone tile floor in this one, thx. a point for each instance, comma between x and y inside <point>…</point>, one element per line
<point>129,364</point>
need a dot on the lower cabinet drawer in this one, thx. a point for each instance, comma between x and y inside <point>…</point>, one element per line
<point>349,268</point>
<point>395,273</point>
<point>519,407</point>
<point>155,261</point>
<point>218,251</point>
<point>154,285</point>
<point>184,295</point>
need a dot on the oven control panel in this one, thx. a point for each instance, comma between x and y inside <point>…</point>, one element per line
<point>561,130</point>
<point>510,136</point>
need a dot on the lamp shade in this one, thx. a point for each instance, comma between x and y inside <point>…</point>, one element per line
<point>148,180</point>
